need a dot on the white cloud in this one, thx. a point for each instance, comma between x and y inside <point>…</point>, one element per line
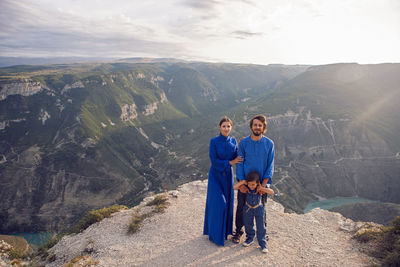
<point>263,32</point>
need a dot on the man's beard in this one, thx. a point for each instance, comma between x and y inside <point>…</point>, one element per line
<point>257,133</point>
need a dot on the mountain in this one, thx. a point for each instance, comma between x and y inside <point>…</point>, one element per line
<point>83,136</point>
<point>13,61</point>
<point>335,130</point>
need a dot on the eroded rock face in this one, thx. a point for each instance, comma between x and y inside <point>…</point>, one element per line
<point>68,87</point>
<point>150,109</point>
<point>332,157</point>
<point>128,112</point>
<point>25,87</point>
<point>63,192</point>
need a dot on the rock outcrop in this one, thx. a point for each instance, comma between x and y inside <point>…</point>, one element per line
<point>174,238</point>
<point>12,246</point>
<point>128,112</point>
<point>25,87</point>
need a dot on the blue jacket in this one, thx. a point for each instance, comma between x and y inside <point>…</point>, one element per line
<point>257,156</point>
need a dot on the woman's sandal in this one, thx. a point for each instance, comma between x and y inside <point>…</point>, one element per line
<point>236,238</point>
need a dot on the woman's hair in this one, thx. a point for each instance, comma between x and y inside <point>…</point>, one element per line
<point>261,118</point>
<point>253,176</point>
<point>225,119</point>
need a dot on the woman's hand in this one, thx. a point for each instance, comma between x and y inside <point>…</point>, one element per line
<point>240,184</point>
<point>236,160</point>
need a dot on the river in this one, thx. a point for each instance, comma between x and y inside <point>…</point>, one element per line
<point>37,239</point>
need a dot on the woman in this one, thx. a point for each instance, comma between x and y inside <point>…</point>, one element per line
<point>218,221</point>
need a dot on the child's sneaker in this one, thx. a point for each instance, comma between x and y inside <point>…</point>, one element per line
<point>248,242</point>
<point>264,250</point>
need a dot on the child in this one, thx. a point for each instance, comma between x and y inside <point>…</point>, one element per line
<point>254,208</point>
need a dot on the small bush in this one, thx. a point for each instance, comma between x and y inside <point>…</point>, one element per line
<point>159,202</point>
<point>83,260</point>
<point>391,244</point>
<point>96,216</point>
<point>17,254</point>
<point>367,236</point>
<point>369,233</point>
<point>387,248</point>
<point>49,244</point>
<point>136,222</point>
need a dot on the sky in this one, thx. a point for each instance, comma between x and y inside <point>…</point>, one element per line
<point>238,31</point>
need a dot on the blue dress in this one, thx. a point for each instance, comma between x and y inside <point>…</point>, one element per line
<point>218,219</point>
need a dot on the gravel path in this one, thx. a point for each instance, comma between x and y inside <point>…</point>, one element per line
<point>174,238</point>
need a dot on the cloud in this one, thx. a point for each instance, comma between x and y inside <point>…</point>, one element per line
<point>201,5</point>
<point>212,4</point>
<point>33,30</point>
<point>246,34</point>
<point>297,31</point>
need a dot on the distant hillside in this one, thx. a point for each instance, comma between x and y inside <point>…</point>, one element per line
<point>78,137</point>
<point>83,136</point>
<point>13,61</point>
<point>382,213</point>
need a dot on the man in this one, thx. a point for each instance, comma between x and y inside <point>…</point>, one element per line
<point>257,152</point>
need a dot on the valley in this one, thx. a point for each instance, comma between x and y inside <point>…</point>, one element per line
<point>84,136</point>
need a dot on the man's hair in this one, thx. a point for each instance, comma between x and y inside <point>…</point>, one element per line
<point>253,176</point>
<point>261,118</point>
<point>225,119</point>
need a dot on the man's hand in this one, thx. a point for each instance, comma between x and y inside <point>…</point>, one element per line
<point>236,161</point>
<point>260,189</point>
<point>265,190</point>
<point>243,189</point>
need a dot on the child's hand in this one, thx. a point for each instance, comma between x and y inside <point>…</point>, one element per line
<point>243,188</point>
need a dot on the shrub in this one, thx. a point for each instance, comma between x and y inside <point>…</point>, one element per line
<point>96,216</point>
<point>49,244</point>
<point>83,260</point>
<point>369,233</point>
<point>136,223</point>
<point>159,202</point>
<point>387,243</point>
<point>391,244</point>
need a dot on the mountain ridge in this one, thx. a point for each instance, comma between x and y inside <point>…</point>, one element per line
<point>97,134</point>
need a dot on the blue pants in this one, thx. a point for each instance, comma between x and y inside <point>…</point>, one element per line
<point>248,219</point>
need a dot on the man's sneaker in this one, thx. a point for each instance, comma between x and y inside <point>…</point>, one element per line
<point>248,242</point>
<point>236,237</point>
<point>264,250</point>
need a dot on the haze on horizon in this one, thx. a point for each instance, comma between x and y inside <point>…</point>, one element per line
<point>241,31</point>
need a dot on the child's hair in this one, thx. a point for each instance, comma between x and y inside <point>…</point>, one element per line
<point>253,176</point>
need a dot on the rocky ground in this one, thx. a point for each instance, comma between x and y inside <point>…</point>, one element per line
<point>174,238</point>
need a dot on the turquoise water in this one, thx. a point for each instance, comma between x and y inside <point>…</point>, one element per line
<point>37,239</point>
<point>335,202</point>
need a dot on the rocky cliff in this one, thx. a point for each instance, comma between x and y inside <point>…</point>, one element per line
<point>174,238</point>
<point>25,87</point>
<point>329,158</point>
<point>75,138</point>
<point>85,136</point>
